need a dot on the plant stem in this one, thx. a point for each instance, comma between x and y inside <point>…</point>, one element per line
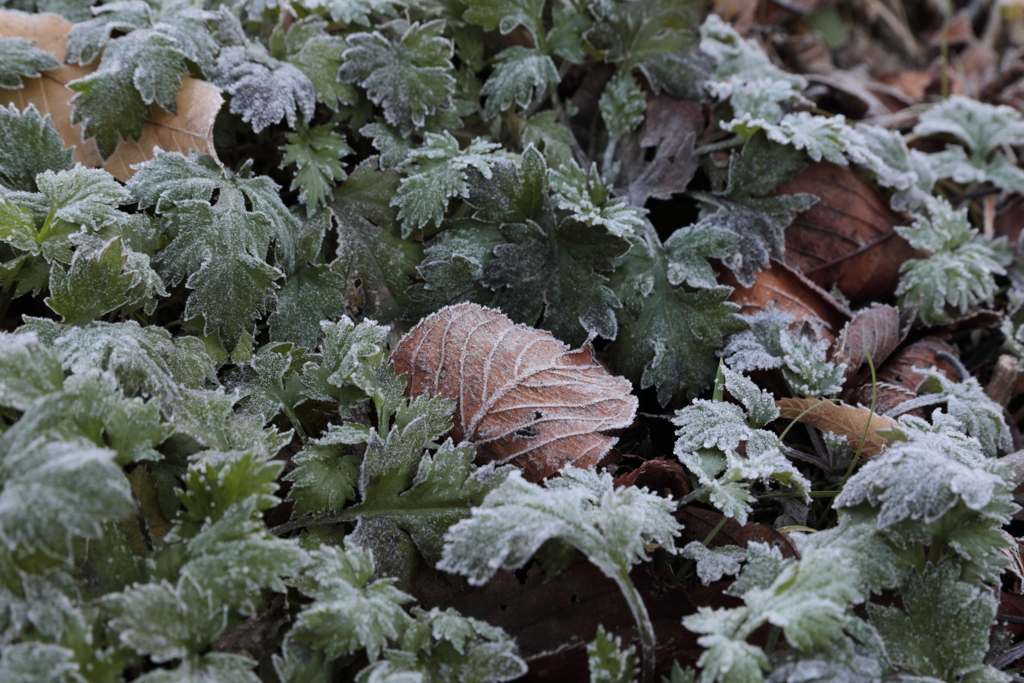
<point>694,495</point>
<point>648,640</point>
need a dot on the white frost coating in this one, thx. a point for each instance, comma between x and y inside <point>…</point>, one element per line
<point>261,94</point>
<point>714,563</point>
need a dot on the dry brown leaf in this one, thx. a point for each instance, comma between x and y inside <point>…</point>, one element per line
<point>874,331</point>
<point>524,397</point>
<point>190,129</point>
<point>671,126</point>
<point>847,421</point>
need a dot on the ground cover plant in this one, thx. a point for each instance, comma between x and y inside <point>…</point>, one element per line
<point>492,340</point>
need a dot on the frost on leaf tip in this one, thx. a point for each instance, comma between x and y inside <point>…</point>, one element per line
<point>523,396</point>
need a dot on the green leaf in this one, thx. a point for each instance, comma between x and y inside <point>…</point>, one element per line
<point>319,57</point>
<point>608,662</point>
<point>409,78</point>
<point>29,369</point>
<point>325,476</point>
<point>214,484</point>
<point>738,59</point>
<point>29,145</point>
<point>667,336</point>
<point>369,250</point>
<point>166,621</point>
<point>207,417</point>
<point>355,11</point>
<point>435,173</point>
<point>348,612</point>
<point>311,295</point>
<point>145,360</point>
<point>346,349</point>
<point>652,35</point>
<point>688,249</point>
<point>30,662</point>
<point>505,16</point>
<point>546,133</point>
<point>55,490</point>
<point>236,558</point>
<point>610,526</point>
<point>80,200</point>
<point>94,285</point>
<point>622,105</point>
<point>411,498</point>
<point>274,385</point>
<point>19,59</point>
<point>299,663</point>
<point>942,630</point>
<point>983,127</point>
<point>521,75</point>
<point>968,404</point>
<point>714,563</point>
<point>453,267</point>
<point>218,666</point>
<point>316,153</point>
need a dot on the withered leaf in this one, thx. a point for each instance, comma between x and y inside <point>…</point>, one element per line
<point>874,332</point>
<point>841,419</point>
<point>524,397</point>
<point>191,128</point>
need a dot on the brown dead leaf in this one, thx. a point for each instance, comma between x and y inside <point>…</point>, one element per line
<point>664,477</point>
<point>785,289</point>
<point>190,129</point>
<point>874,331</point>
<point>899,377</point>
<point>841,419</point>
<point>698,523</point>
<point>847,238</point>
<point>523,396</point>
<point>671,126</point>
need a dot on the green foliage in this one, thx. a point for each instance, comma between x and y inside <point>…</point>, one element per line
<point>316,153</point>
<point>607,661</point>
<point>18,59</point>
<point>29,145</point>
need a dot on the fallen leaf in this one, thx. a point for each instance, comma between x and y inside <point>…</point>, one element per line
<point>190,129</point>
<point>785,289</point>
<point>523,396</point>
<point>664,477</point>
<point>842,419</point>
<point>671,126</point>
<point>874,332</point>
<point>847,238</point>
<point>698,523</point>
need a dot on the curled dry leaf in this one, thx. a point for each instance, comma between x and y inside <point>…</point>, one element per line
<point>874,332</point>
<point>190,129</point>
<point>841,419</point>
<point>523,396</point>
<point>899,377</point>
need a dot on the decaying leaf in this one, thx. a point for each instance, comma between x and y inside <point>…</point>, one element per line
<point>190,129</point>
<point>839,419</point>
<point>523,396</point>
<point>874,332</point>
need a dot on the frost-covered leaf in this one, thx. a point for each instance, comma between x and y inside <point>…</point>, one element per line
<point>652,35</point>
<point>521,75</point>
<point>29,145</point>
<point>166,621</point>
<point>967,402</point>
<point>409,78</point>
<point>299,663</point>
<point>236,558</point>
<point>714,563</point>
<point>215,483</point>
<point>453,266</point>
<point>942,630</point>
<point>608,662</point>
<point>667,335</point>
<point>435,173</point>
<point>30,662</point>
<point>355,11</point>
<point>219,666</point>
<point>622,105</point>
<point>546,268</point>
<point>325,476</point>
<point>94,284</point>
<point>207,417</point>
<point>316,153</point>
<point>141,66</point>
<point>763,564</point>
<point>609,525</point>
<point>505,16</point>
<point>218,249</point>
<point>411,498</point>
<point>961,270</point>
<point>28,370</point>
<point>318,55</point>
<point>144,359</point>
<point>346,349</point>
<point>309,296</point>
<point>348,612</point>
<point>55,490</point>
<point>688,250</point>
<point>984,127</point>
<point>589,199</point>
<point>912,482</point>
<point>738,58</point>
<point>263,90</point>
<point>710,424</point>
<point>275,384</point>
<point>760,404</point>
<point>18,59</point>
<point>554,140</point>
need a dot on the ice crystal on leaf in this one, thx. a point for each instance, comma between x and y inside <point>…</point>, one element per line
<point>739,59</point>
<point>622,105</point>
<point>18,59</point>
<point>354,11</point>
<point>316,153</point>
<point>608,661</point>
<point>967,403</point>
<point>714,563</point>
<point>983,127</point>
<point>29,145</point>
<point>410,78</point>
<point>589,199</point>
<point>520,75</point>
<point>264,90</point>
